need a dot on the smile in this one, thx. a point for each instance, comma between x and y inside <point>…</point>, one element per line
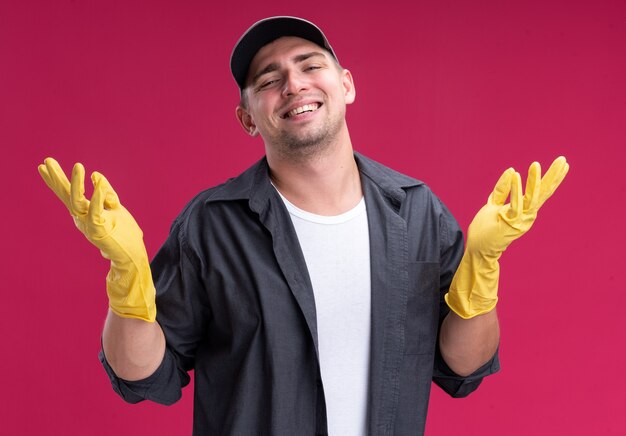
<point>299,110</point>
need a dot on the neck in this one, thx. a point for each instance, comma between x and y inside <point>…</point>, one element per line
<point>324,183</point>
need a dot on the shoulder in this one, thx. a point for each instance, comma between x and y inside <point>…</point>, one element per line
<point>235,190</point>
<point>413,196</point>
<point>383,175</point>
<point>398,187</point>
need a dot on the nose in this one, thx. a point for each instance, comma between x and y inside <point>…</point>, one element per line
<point>294,84</point>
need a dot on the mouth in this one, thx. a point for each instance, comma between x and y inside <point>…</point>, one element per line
<point>311,107</point>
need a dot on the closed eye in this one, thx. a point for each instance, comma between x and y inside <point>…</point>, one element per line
<point>267,83</point>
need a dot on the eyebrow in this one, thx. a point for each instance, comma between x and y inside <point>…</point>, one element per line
<point>296,59</point>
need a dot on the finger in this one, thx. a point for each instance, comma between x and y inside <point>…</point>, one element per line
<point>55,179</point>
<point>96,205</point>
<point>553,178</point>
<point>502,188</point>
<point>111,200</point>
<point>516,196</point>
<point>79,205</point>
<point>533,187</point>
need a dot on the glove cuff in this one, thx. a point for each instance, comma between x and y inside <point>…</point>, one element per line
<point>474,288</point>
<point>131,291</point>
<point>469,308</point>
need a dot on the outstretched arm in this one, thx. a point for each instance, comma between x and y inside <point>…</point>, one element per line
<point>470,333</point>
<point>133,342</point>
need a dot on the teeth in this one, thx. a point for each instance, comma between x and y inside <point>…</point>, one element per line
<point>301,109</point>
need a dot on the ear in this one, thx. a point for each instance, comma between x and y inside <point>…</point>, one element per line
<point>246,121</point>
<point>348,86</point>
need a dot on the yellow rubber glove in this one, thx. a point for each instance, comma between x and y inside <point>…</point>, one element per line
<point>474,288</point>
<point>111,228</point>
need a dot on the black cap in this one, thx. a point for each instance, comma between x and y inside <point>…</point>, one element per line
<point>265,31</point>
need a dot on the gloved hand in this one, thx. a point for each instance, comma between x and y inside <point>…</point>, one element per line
<point>474,288</point>
<point>111,228</point>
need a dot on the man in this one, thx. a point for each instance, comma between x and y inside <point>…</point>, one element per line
<point>307,294</point>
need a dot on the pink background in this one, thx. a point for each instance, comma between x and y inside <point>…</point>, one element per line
<point>449,92</point>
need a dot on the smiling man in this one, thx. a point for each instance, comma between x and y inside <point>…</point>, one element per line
<point>311,295</point>
<point>295,97</point>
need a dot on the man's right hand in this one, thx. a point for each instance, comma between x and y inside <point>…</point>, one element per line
<point>111,228</point>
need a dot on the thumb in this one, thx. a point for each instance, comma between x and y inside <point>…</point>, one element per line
<point>111,199</point>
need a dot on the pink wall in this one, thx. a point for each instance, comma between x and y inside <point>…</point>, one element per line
<point>450,92</point>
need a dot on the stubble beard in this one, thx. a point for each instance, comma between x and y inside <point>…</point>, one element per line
<point>312,142</point>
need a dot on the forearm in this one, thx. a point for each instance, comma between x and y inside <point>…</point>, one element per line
<point>134,348</point>
<point>467,344</point>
